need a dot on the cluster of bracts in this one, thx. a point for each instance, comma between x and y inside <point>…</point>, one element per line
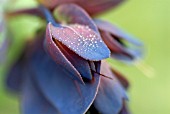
<point>62,70</point>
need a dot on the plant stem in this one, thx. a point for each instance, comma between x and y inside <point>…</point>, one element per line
<point>48,16</point>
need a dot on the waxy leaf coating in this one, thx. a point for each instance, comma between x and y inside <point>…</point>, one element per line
<point>58,56</point>
<point>82,40</point>
<point>80,34</point>
<point>81,65</point>
<point>67,95</point>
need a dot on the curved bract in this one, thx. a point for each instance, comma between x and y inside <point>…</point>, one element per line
<point>80,34</point>
<point>111,94</point>
<point>59,71</point>
<point>62,92</point>
<point>33,102</point>
<point>117,32</point>
<point>122,45</point>
<point>58,56</point>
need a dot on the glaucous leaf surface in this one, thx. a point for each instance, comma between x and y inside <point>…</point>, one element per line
<point>32,99</point>
<point>81,65</point>
<point>80,34</point>
<point>67,95</point>
<point>58,56</point>
<point>109,99</point>
<point>66,80</point>
<point>16,73</point>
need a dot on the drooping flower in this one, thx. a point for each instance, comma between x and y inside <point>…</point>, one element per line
<point>65,72</point>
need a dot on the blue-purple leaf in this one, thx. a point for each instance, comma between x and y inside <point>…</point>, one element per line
<point>135,55</point>
<point>117,32</point>
<point>115,40</point>
<point>80,34</point>
<point>124,109</point>
<point>114,45</point>
<point>33,101</point>
<point>81,65</point>
<point>58,56</point>
<point>118,50</point>
<point>109,99</point>
<point>15,77</point>
<point>67,95</point>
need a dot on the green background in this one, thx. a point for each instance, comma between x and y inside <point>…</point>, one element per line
<point>148,20</point>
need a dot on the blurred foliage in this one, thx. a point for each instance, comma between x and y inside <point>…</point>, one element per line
<point>146,19</point>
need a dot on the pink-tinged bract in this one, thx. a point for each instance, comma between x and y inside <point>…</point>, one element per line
<point>117,32</point>
<point>62,70</point>
<point>63,92</point>
<point>122,45</point>
<point>58,56</point>
<point>80,34</point>
<point>81,65</point>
